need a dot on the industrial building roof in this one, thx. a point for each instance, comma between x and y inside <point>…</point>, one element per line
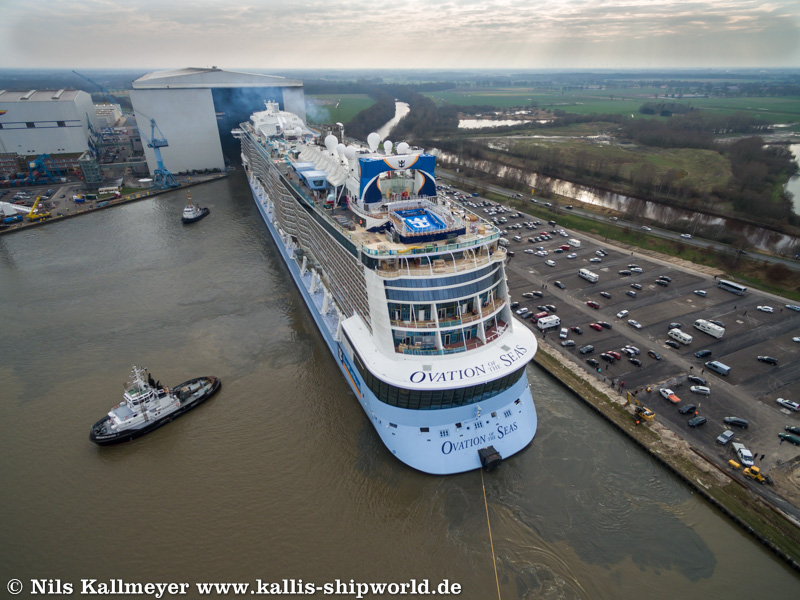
<point>209,78</point>
<point>62,95</point>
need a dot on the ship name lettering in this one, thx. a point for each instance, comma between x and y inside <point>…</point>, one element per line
<point>449,446</point>
<point>504,430</point>
<point>510,357</point>
<point>443,376</point>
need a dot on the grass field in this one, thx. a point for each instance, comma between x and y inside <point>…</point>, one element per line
<point>622,101</point>
<point>701,169</point>
<point>336,108</point>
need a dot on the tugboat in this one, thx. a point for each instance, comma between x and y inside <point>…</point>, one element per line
<point>147,405</point>
<point>192,212</point>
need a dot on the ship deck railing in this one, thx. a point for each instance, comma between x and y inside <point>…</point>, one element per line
<point>492,333</point>
<point>455,266</point>
<point>486,310</point>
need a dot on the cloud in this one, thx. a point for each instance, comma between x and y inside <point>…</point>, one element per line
<point>359,34</point>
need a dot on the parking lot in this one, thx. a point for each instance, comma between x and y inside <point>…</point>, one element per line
<point>749,391</point>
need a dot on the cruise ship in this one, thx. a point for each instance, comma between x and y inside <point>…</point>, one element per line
<point>408,291</point>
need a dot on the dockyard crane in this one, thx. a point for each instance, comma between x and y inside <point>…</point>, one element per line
<point>162,178</point>
<point>105,92</point>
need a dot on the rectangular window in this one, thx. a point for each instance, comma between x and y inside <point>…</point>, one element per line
<point>30,125</point>
<point>61,123</point>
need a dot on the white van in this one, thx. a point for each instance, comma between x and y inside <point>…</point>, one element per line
<point>550,322</point>
<point>710,328</point>
<point>683,338</point>
<point>503,242</point>
<point>718,367</point>
<point>574,243</point>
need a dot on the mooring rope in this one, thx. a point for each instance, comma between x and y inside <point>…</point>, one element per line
<point>491,541</point>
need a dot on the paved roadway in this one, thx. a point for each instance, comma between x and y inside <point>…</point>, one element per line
<point>749,391</point>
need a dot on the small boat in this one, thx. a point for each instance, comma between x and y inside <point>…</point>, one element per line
<point>193,212</point>
<point>147,405</point>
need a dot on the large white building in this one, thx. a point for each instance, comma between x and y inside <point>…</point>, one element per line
<point>45,121</point>
<point>195,110</point>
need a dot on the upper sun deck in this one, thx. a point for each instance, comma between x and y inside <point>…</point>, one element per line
<point>420,231</point>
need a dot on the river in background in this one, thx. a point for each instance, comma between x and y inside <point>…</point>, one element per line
<point>401,109</point>
<point>645,211</point>
<point>281,475</point>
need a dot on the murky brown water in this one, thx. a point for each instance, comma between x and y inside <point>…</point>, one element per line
<point>280,475</point>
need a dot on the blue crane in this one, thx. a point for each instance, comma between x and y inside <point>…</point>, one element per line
<point>162,178</point>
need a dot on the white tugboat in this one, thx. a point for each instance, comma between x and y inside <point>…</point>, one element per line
<point>147,405</point>
<point>192,212</point>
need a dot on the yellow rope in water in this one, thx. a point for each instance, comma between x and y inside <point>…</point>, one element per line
<point>491,542</point>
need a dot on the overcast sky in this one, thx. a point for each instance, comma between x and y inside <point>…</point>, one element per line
<point>290,34</point>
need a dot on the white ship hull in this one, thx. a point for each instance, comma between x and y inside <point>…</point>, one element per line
<point>442,441</point>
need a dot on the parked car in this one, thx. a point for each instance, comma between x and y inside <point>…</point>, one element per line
<point>635,324</point>
<point>634,348</point>
<point>672,344</point>
<point>551,308</point>
<point>559,285</point>
<point>676,325</point>
<point>636,286</point>
<point>791,438</point>
<point>700,389</point>
<point>662,282</point>
<point>587,349</point>
<point>686,235</point>
<point>616,355</point>
<point>736,422</point>
<point>605,294</point>
<point>697,380</point>
<point>567,343</point>
<point>593,362</point>
<point>595,260</point>
<point>625,272</point>
<point>770,360</point>
<point>635,361</point>
<point>596,326</point>
<point>793,307</point>
<point>702,353</point>
<point>702,293</point>
<point>687,409</point>
<point>697,421</point>
<point>631,293</point>
<point>537,293</point>
<point>792,429</point>
<point>607,357</point>
<point>766,309</point>
<point>665,278</point>
<point>790,404</point>
<point>576,329</point>
<point>622,314</point>
<point>604,325</point>
<point>514,305</point>
<point>653,354</point>
<point>646,228</point>
<point>725,437</point>
<point>593,304</point>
